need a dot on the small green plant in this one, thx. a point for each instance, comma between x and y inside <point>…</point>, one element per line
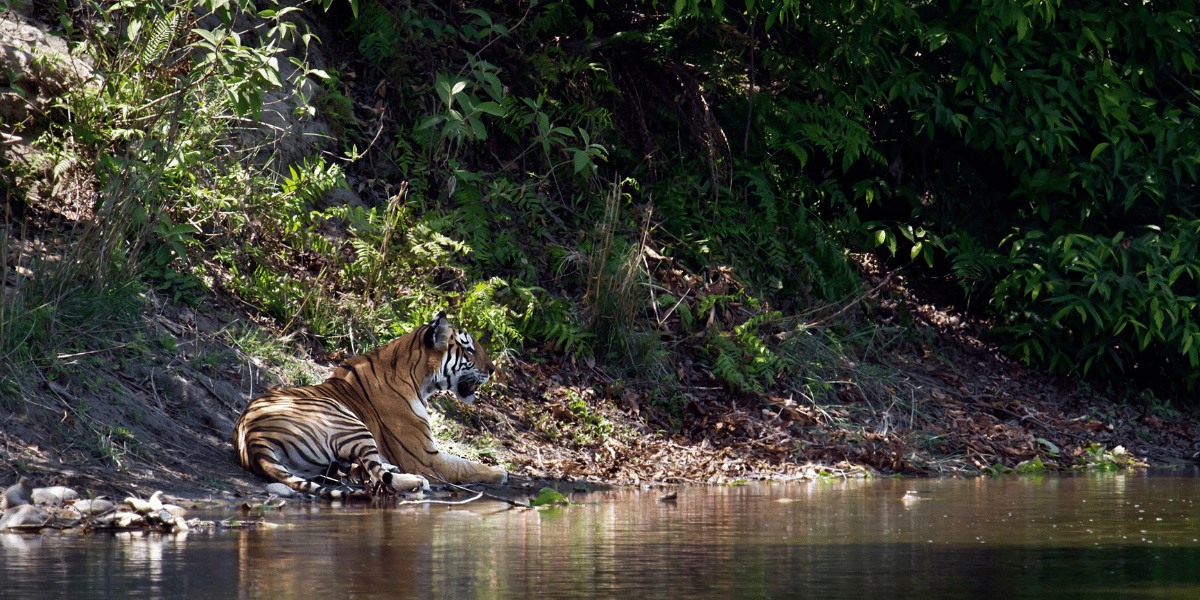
<point>740,356</point>
<point>1032,466</point>
<point>617,294</point>
<point>1100,458</point>
<point>998,470</point>
<point>110,444</point>
<point>254,342</point>
<point>589,427</point>
<point>337,110</point>
<point>542,318</point>
<point>547,498</point>
<point>1160,407</point>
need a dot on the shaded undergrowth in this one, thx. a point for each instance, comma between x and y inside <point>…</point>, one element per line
<point>719,303</point>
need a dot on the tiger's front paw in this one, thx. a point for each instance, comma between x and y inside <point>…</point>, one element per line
<point>406,482</point>
<point>495,475</point>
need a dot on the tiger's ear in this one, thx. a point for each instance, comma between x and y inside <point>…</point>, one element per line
<point>439,332</point>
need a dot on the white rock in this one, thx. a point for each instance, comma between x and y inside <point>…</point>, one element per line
<point>92,506</point>
<point>17,494</point>
<point>26,515</point>
<point>54,495</point>
<point>140,506</point>
<point>128,519</point>
<point>280,489</point>
<point>176,511</point>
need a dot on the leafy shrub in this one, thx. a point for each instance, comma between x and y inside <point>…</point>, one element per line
<point>1113,305</point>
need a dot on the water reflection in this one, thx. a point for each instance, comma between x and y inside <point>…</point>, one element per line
<point>122,565</point>
<point>1099,536</point>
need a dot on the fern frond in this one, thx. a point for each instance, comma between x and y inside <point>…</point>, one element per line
<point>727,365</point>
<point>162,36</point>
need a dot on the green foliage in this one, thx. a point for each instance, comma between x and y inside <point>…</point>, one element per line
<point>481,312</point>
<point>276,353</point>
<point>1100,458</point>
<point>463,110</point>
<point>337,110</point>
<point>617,294</point>
<point>802,129</point>
<point>1068,123</point>
<point>956,124</point>
<point>380,34</point>
<point>574,421</point>
<point>304,186</point>
<point>1110,305</point>
<point>543,318</point>
<point>548,497</point>
<point>998,470</point>
<point>1033,466</point>
<point>35,333</point>
<point>740,357</point>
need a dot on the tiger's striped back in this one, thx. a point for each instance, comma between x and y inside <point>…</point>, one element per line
<point>373,409</point>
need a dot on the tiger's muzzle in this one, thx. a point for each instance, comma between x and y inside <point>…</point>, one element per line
<point>468,383</point>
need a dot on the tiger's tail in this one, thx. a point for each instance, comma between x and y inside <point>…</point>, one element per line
<point>277,472</point>
<point>376,472</point>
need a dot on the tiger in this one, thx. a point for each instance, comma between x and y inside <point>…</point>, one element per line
<point>374,411</point>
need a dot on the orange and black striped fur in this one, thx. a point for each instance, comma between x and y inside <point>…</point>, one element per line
<point>373,409</point>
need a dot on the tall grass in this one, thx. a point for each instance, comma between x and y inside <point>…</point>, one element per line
<point>617,294</point>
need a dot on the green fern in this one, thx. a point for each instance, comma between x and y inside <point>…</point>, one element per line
<point>974,266</point>
<point>480,311</point>
<point>163,34</point>
<point>728,364</point>
<point>380,39</point>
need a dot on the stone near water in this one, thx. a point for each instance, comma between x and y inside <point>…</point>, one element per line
<point>175,511</point>
<point>25,516</point>
<point>281,490</point>
<point>145,507</point>
<point>17,494</point>
<point>54,495</point>
<point>92,506</point>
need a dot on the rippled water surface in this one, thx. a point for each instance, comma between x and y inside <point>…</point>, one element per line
<point>1099,536</point>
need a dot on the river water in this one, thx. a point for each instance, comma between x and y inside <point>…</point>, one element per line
<point>1092,536</point>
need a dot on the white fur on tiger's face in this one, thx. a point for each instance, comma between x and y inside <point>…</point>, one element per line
<point>372,410</point>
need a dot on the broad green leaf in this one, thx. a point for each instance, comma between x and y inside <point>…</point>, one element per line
<point>547,496</point>
<point>490,108</point>
<point>430,121</point>
<point>483,15</point>
<point>478,129</point>
<point>997,75</point>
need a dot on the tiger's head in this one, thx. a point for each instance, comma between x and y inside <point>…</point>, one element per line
<point>388,389</point>
<point>456,361</point>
